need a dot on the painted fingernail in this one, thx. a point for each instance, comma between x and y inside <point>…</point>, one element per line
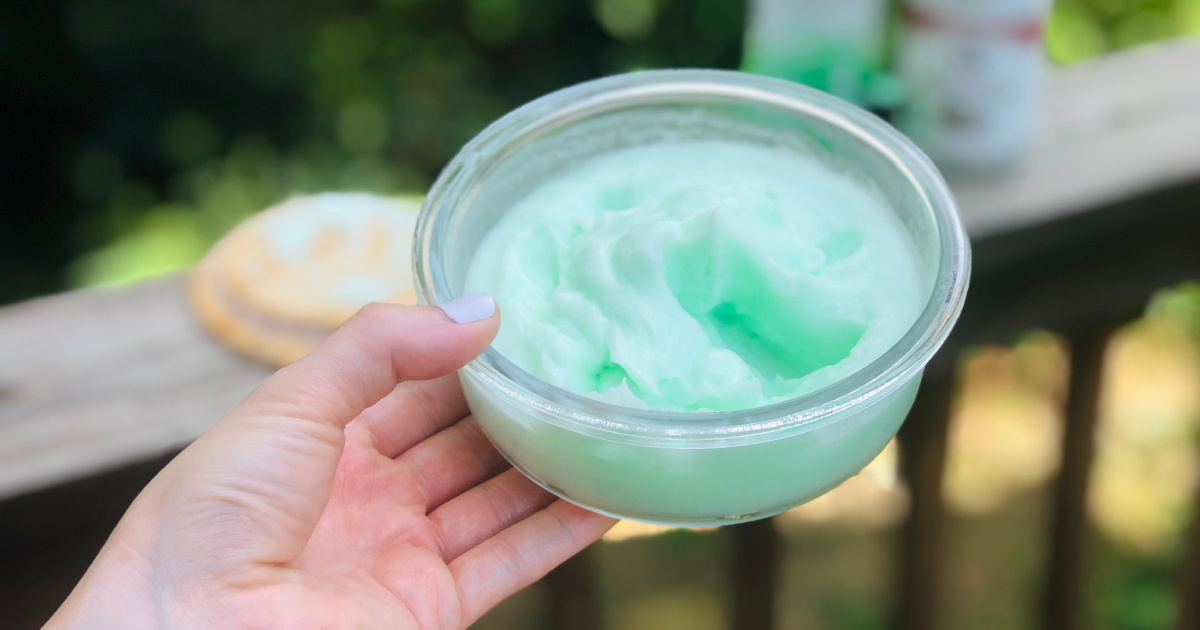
<point>470,308</point>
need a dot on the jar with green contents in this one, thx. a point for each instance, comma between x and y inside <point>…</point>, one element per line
<point>686,334</point>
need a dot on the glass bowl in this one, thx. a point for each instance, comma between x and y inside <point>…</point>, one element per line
<point>691,468</point>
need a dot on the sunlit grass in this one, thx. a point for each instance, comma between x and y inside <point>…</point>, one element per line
<point>1147,464</point>
<point>1006,427</point>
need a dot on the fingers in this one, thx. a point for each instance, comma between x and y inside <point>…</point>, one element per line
<point>270,464</point>
<point>412,413</point>
<point>523,553</point>
<point>482,512</point>
<point>452,461</point>
<point>364,360</point>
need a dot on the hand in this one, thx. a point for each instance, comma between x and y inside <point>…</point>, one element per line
<point>333,497</point>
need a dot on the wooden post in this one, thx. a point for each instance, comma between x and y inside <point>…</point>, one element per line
<point>1068,527</point>
<point>922,464</point>
<point>574,604</point>
<point>755,561</point>
<point>1189,576</point>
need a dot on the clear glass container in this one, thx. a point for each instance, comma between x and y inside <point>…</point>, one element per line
<point>691,468</point>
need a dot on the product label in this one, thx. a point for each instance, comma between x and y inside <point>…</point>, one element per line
<point>973,87</point>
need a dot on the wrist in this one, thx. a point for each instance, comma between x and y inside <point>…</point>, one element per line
<point>115,592</point>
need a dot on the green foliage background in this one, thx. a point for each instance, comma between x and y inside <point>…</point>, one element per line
<point>164,122</point>
<point>1082,29</point>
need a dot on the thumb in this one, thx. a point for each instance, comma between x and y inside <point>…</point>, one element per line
<point>382,345</point>
<point>268,467</point>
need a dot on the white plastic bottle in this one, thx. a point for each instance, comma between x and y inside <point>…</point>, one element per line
<point>973,76</point>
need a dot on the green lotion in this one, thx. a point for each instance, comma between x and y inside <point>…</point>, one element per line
<point>698,276</point>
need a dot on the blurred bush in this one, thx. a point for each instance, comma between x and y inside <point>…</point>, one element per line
<point>373,97</point>
<point>149,127</point>
<point>1082,29</point>
<point>140,130</point>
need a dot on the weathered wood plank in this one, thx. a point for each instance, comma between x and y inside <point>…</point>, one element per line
<point>93,380</point>
<point>1112,129</point>
<point>1070,274</point>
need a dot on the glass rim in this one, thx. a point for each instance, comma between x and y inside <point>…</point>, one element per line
<point>567,409</point>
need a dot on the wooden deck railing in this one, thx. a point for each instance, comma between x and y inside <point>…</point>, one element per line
<point>1081,277</point>
<point>1103,213</point>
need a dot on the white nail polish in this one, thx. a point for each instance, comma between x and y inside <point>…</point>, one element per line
<point>470,308</point>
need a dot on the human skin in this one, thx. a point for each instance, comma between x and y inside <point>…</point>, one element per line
<point>351,490</point>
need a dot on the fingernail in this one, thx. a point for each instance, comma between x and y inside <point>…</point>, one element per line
<point>470,308</point>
